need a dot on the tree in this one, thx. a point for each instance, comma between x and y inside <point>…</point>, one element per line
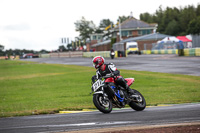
<point>43,51</point>
<point>85,28</point>
<point>146,17</point>
<point>62,48</point>
<point>173,21</point>
<point>105,23</point>
<point>172,28</point>
<point>1,47</point>
<point>194,26</point>
<point>186,15</point>
<point>198,10</point>
<point>122,18</point>
<point>1,50</point>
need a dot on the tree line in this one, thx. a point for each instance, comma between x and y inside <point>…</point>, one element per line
<point>175,21</point>
<point>20,52</point>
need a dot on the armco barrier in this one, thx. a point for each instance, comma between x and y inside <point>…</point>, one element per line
<point>187,52</point>
<point>44,55</point>
<point>67,54</point>
<point>63,54</point>
<point>99,53</point>
<point>78,54</point>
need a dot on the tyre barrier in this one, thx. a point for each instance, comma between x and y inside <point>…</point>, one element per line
<point>187,52</point>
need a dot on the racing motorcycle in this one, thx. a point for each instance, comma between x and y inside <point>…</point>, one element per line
<point>112,55</point>
<point>106,95</point>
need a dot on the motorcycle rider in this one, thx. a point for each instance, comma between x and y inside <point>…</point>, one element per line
<point>105,69</point>
<point>112,54</point>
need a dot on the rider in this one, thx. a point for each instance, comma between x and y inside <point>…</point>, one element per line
<point>104,69</point>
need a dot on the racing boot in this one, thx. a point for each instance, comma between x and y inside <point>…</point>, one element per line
<point>129,90</point>
<point>122,82</point>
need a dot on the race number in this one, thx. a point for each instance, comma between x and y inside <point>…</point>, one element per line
<point>96,85</point>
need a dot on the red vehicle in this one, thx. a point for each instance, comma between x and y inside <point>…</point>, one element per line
<point>31,55</point>
<point>107,94</point>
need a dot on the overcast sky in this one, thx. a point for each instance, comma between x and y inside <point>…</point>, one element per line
<point>40,24</point>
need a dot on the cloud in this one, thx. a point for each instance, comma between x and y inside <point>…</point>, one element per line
<point>40,24</point>
<point>17,27</point>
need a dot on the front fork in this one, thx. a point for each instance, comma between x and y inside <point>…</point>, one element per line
<point>105,96</point>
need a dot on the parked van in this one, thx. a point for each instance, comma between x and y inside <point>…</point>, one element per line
<point>132,47</point>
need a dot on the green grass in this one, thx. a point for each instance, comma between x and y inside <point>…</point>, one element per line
<point>31,88</point>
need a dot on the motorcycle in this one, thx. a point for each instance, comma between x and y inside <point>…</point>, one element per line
<point>112,55</point>
<point>106,95</point>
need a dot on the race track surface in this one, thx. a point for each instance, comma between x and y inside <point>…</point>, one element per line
<point>154,63</point>
<point>172,114</point>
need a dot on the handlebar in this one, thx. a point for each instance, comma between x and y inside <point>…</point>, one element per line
<point>108,75</point>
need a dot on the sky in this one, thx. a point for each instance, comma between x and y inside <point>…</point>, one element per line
<point>40,24</point>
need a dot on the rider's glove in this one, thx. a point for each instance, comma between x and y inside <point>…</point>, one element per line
<point>94,78</point>
<point>110,75</point>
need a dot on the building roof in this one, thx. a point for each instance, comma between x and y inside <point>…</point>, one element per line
<point>119,46</point>
<point>153,36</point>
<point>133,23</point>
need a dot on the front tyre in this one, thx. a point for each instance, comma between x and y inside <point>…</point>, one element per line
<point>102,104</point>
<point>139,102</point>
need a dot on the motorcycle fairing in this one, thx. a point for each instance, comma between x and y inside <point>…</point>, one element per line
<point>110,80</point>
<point>130,81</point>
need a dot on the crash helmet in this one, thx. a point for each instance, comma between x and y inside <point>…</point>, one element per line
<point>98,61</point>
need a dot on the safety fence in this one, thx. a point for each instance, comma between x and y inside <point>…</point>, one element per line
<point>98,53</point>
<point>62,54</point>
<point>11,57</point>
<point>187,52</point>
<point>44,56</point>
<point>67,54</point>
<point>78,54</point>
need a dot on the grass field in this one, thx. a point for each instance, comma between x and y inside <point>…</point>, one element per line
<point>32,88</point>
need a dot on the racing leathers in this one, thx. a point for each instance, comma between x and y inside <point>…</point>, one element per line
<point>112,70</point>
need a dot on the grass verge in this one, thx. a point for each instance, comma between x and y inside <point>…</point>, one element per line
<point>32,88</point>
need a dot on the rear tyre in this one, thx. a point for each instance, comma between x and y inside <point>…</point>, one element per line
<point>103,105</point>
<point>139,103</point>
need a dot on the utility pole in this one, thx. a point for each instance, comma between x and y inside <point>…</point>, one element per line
<point>120,36</point>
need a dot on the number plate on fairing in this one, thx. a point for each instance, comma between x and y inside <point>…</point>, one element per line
<point>96,85</point>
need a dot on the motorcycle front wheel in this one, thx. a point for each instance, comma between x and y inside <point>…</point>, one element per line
<point>102,104</point>
<point>139,103</point>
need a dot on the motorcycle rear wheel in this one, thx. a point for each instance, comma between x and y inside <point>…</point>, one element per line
<point>136,105</point>
<point>103,105</point>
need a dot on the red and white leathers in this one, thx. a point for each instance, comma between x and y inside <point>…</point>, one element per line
<point>104,69</point>
<point>111,69</point>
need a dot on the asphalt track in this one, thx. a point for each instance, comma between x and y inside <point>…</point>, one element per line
<point>97,121</point>
<point>154,63</point>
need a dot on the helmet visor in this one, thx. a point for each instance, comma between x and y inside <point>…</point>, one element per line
<point>95,63</point>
